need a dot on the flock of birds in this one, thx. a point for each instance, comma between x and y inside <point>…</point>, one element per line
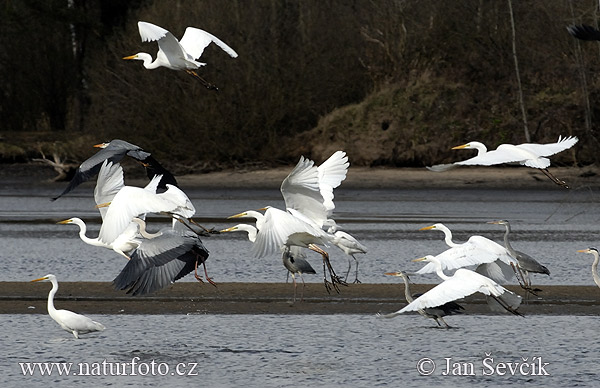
<point>156,260</point>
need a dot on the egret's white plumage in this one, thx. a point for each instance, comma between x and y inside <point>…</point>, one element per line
<point>528,154</point>
<point>476,251</point>
<point>463,283</point>
<point>178,54</point>
<point>68,320</point>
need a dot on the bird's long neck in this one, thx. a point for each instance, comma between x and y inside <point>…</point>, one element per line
<point>148,62</point>
<point>448,237</point>
<point>595,268</point>
<point>509,247</point>
<point>439,271</point>
<point>84,238</point>
<point>480,147</point>
<point>51,309</point>
<point>407,294</point>
<point>142,227</point>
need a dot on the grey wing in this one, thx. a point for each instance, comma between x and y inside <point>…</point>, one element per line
<point>584,32</point>
<point>160,261</point>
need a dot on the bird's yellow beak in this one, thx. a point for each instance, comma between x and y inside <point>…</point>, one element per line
<point>40,279</point>
<point>239,215</point>
<point>232,229</point>
<point>105,204</point>
<point>64,221</point>
<point>460,147</point>
<point>428,227</point>
<point>583,250</point>
<point>392,273</point>
<point>131,57</point>
<point>493,222</point>
<point>262,209</point>
<point>420,259</point>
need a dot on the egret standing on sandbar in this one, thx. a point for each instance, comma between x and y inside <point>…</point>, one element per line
<point>68,320</point>
<point>178,54</point>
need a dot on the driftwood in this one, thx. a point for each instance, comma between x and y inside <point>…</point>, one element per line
<point>64,169</point>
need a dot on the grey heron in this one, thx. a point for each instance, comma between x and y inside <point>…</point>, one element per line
<point>594,252</point>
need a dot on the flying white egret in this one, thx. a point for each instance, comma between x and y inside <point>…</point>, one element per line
<point>114,152</point>
<point>161,259</point>
<point>594,252</point>
<point>68,320</point>
<point>308,195</point>
<point>349,245</point>
<point>292,258</point>
<point>493,259</point>
<point>462,283</point>
<point>278,229</point>
<point>109,183</point>
<point>527,263</point>
<point>437,313</point>
<point>528,154</point>
<point>584,32</point>
<point>178,54</point>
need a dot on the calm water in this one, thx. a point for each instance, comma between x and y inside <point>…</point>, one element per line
<point>310,350</point>
<point>355,350</point>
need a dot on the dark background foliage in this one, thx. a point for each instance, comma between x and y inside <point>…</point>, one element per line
<point>392,82</point>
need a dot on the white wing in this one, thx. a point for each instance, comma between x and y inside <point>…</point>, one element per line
<point>550,148</point>
<point>463,283</point>
<point>505,153</point>
<point>332,173</point>
<point>281,228</point>
<point>195,40</point>
<point>110,181</point>
<point>300,190</point>
<point>477,250</point>
<point>133,201</point>
<point>151,32</point>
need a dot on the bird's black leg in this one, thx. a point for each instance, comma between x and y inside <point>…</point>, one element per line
<point>356,273</point>
<point>554,179</point>
<point>506,306</point>
<point>335,280</point>
<point>206,84</point>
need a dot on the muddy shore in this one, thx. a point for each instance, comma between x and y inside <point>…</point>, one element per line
<point>268,298</point>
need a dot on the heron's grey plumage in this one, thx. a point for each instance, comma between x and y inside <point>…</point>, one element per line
<point>160,261</point>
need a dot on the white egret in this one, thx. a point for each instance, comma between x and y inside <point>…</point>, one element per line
<point>178,54</point>
<point>114,152</point>
<point>161,259</point>
<point>462,283</point>
<point>528,154</point>
<point>349,245</point>
<point>68,320</point>
<point>109,183</point>
<point>584,32</point>
<point>292,258</point>
<point>594,252</point>
<point>527,263</point>
<point>437,313</point>
<point>493,259</point>
<point>308,195</point>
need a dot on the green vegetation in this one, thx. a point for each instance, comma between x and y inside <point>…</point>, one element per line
<point>391,82</point>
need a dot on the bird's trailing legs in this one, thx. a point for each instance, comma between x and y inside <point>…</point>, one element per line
<point>554,179</point>
<point>506,306</point>
<point>208,279</point>
<point>206,84</point>
<point>335,280</point>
